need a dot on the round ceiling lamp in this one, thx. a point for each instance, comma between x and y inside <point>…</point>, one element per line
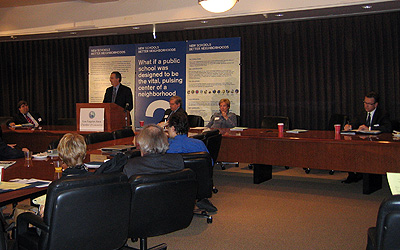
<point>217,6</point>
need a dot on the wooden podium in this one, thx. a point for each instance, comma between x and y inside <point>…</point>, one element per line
<point>114,115</point>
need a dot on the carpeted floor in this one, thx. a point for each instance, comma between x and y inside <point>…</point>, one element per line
<point>294,210</point>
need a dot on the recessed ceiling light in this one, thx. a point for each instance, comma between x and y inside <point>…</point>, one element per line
<point>205,21</point>
<point>72,33</point>
<point>135,28</point>
<point>367,7</point>
<point>279,15</point>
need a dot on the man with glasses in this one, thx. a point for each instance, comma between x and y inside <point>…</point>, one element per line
<point>373,118</point>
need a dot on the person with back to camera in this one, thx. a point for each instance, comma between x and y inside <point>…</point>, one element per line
<point>118,93</point>
<point>179,142</point>
<point>153,144</point>
<point>175,104</point>
<point>24,116</point>
<point>72,151</point>
<point>8,151</point>
<point>223,118</point>
<point>372,118</point>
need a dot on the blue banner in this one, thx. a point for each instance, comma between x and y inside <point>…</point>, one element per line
<point>160,74</point>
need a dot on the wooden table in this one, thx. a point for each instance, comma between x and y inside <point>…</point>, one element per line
<point>44,169</point>
<point>372,155</point>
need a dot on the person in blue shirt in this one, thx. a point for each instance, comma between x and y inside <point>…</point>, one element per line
<point>179,142</point>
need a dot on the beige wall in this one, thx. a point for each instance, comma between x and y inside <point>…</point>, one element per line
<point>62,14</point>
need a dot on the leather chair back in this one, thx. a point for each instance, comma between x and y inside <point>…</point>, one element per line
<point>161,203</point>
<point>271,122</point>
<point>85,213</point>
<point>213,143</point>
<point>337,119</point>
<point>201,164</point>
<point>123,133</point>
<point>195,121</point>
<point>99,137</point>
<point>3,242</point>
<point>385,236</point>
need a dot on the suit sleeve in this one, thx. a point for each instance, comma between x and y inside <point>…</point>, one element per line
<point>7,152</point>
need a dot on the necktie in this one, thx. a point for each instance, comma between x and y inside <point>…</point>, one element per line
<point>29,120</point>
<point>114,94</point>
<point>368,123</point>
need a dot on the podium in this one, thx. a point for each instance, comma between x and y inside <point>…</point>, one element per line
<point>114,115</point>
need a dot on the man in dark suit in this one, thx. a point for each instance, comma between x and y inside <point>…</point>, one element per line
<point>373,118</point>
<point>153,143</point>
<point>8,151</point>
<point>118,93</point>
<point>24,116</point>
<point>175,104</point>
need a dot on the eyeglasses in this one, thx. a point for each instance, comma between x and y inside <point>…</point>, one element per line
<point>369,103</point>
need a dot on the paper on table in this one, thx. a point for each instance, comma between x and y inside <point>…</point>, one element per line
<point>5,185</point>
<point>394,182</point>
<point>238,128</point>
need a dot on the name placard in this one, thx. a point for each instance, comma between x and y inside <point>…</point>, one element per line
<point>92,119</point>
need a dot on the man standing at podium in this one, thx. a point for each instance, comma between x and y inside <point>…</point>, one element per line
<point>118,93</point>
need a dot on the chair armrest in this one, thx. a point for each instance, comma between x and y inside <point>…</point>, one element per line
<point>24,219</point>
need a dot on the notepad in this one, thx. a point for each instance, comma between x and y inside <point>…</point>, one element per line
<point>296,131</point>
<point>120,148</point>
<point>6,164</point>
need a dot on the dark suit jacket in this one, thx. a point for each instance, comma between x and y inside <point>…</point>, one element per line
<point>7,152</point>
<point>168,112</point>
<point>380,121</point>
<point>124,96</point>
<point>19,118</point>
<point>154,164</point>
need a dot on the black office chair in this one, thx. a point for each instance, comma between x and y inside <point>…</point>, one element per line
<point>161,204</point>
<point>385,236</point>
<point>337,119</point>
<point>66,121</point>
<point>5,119</point>
<point>271,122</point>
<point>123,133</point>
<point>82,213</point>
<point>99,137</point>
<point>195,121</point>
<point>3,237</point>
<point>201,164</point>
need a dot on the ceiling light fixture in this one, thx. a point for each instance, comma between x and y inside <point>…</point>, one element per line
<point>217,6</point>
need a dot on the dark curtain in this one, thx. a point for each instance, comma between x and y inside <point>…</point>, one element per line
<point>306,70</point>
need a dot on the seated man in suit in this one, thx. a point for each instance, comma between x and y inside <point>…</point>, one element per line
<point>175,104</point>
<point>24,116</point>
<point>8,152</point>
<point>153,144</point>
<point>179,142</point>
<point>372,118</point>
<point>118,93</point>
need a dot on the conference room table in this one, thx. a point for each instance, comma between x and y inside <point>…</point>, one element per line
<point>37,139</point>
<point>372,155</point>
<point>44,169</point>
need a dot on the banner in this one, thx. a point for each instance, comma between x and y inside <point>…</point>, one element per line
<point>160,75</point>
<point>105,59</point>
<point>201,72</point>
<point>213,73</point>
